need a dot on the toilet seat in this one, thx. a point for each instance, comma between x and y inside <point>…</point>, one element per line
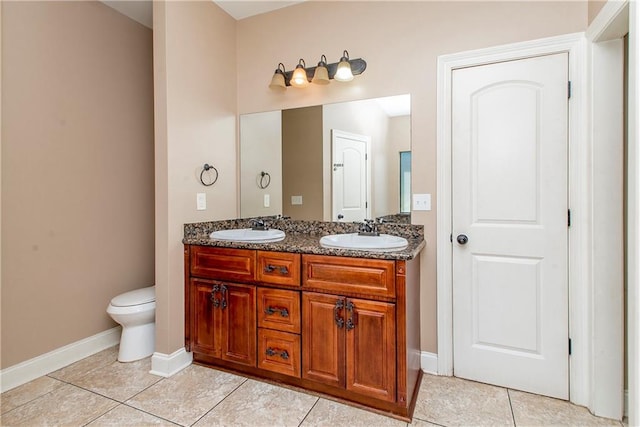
<point>136,297</point>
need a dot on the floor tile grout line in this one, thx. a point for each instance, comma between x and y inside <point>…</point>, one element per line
<point>513,416</point>
<point>51,391</point>
<point>101,415</point>
<point>32,400</point>
<point>221,400</point>
<point>429,421</point>
<point>109,397</point>
<point>84,374</point>
<point>152,414</point>
<point>146,388</point>
<point>309,411</point>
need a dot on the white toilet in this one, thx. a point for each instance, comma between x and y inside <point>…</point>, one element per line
<point>136,312</point>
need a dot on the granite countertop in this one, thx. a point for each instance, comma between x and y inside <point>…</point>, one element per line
<point>304,237</point>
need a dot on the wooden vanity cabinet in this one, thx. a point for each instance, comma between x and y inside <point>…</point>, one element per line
<point>346,327</point>
<point>223,320</point>
<point>350,343</point>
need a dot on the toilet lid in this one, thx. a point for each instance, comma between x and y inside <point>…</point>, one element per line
<point>137,297</point>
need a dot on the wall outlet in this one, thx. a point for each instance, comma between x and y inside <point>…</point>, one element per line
<point>422,202</point>
<point>201,201</point>
<point>296,200</point>
<point>267,201</point>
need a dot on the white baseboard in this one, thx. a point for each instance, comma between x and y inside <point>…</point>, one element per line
<point>29,370</point>
<point>166,365</point>
<point>429,362</point>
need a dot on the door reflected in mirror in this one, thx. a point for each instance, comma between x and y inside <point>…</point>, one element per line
<point>335,162</point>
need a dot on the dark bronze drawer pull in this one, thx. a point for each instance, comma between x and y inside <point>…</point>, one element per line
<point>352,321</point>
<point>282,310</point>
<point>336,313</point>
<point>283,354</point>
<point>223,303</point>
<point>214,300</point>
<point>269,268</point>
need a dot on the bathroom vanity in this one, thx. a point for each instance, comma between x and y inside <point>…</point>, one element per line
<point>344,323</point>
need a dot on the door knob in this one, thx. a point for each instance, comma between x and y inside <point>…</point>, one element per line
<point>340,216</point>
<point>462,239</point>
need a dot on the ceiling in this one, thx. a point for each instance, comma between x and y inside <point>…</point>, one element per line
<point>141,10</point>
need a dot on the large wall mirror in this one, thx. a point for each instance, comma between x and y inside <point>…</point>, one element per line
<point>336,162</point>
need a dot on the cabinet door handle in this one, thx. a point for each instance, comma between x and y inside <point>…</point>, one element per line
<point>214,300</point>
<point>352,321</point>
<point>282,310</point>
<point>223,303</point>
<point>336,313</point>
<point>271,352</point>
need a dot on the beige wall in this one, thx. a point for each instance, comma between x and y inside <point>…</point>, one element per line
<point>594,8</point>
<point>260,151</point>
<point>77,170</point>
<point>302,162</point>
<point>399,140</point>
<point>362,118</point>
<point>195,118</point>
<point>400,42</point>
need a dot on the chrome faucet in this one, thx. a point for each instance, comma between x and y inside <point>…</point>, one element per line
<point>368,228</point>
<point>258,224</point>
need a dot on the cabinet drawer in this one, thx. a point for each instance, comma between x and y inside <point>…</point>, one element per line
<point>279,352</point>
<point>279,309</point>
<point>349,275</point>
<point>223,263</point>
<point>279,268</point>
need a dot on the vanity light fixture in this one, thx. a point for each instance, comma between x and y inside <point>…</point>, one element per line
<point>278,79</point>
<point>299,77</point>
<point>321,75</point>
<point>342,71</point>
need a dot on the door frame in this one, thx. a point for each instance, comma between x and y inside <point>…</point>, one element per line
<point>580,189</point>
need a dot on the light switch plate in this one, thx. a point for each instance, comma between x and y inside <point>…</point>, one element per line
<point>267,201</point>
<point>296,200</point>
<point>422,202</point>
<point>201,201</point>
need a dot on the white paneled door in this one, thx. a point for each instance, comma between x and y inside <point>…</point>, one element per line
<point>510,230</point>
<point>351,178</point>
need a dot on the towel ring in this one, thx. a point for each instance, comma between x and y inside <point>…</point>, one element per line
<point>265,180</point>
<point>206,168</point>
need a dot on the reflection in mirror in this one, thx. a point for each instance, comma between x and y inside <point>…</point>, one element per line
<point>335,162</point>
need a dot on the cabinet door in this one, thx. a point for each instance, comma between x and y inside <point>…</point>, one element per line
<point>205,317</point>
<point>323,344</point>
<point>238,312</point>
<point>371,348</point>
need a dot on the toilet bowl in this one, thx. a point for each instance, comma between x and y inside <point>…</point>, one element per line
<point>136,312</point>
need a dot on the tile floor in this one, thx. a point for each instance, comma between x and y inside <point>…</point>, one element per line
<point>99,391</point>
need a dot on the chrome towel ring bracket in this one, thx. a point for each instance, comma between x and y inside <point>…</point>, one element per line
<point>206,168</point>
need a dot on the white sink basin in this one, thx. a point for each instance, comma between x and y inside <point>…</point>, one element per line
<point>248,235</point>
<point>385,242</point>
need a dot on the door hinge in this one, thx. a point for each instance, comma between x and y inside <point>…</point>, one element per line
<point>569,89</point>
<point>451,238</point>
<point>366,205</point>
<point>569,346</point>
<point>568,217</point>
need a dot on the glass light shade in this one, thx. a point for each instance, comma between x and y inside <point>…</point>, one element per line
<point>277,82</point>
<point>343,73</point>
<point>299,77</point>
<point>321,76</point>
